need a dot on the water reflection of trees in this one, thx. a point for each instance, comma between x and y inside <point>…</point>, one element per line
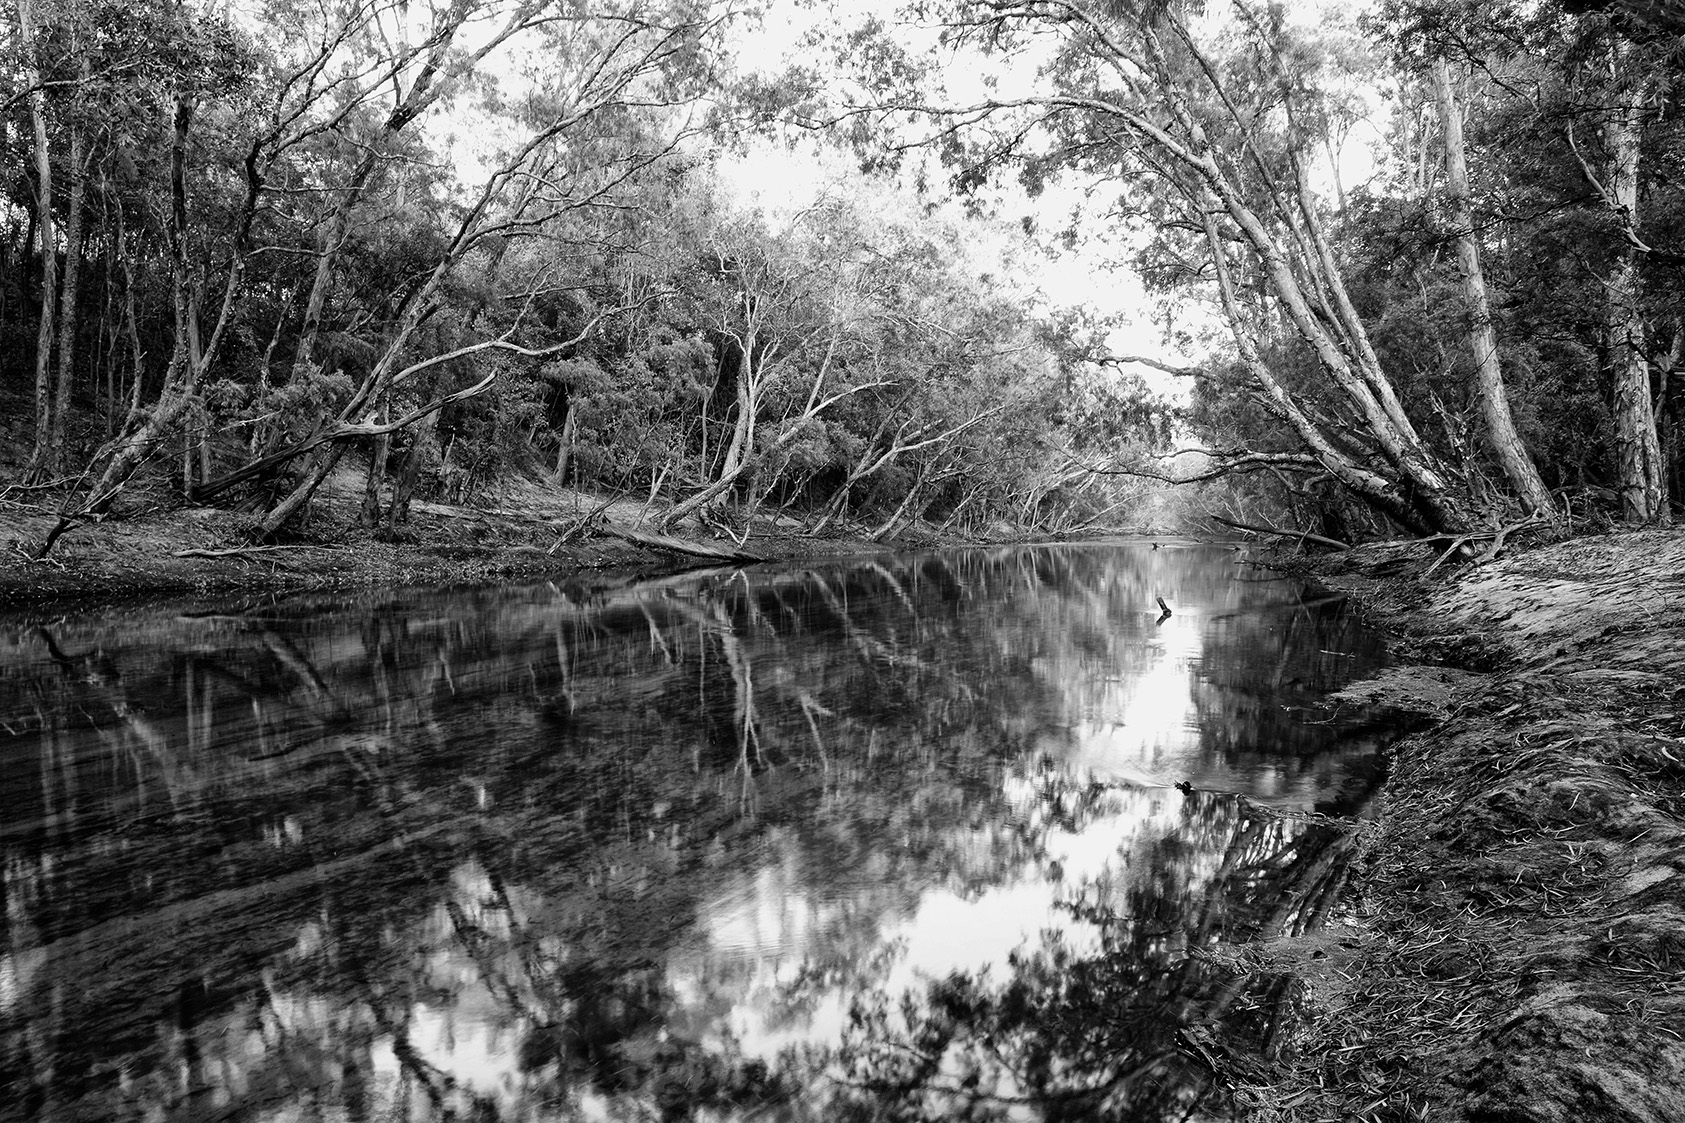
<point>283,852</point>
<point>1147,1025</point>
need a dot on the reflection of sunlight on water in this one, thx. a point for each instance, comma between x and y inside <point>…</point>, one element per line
<point>753,979</point>
<point>1141,727</point>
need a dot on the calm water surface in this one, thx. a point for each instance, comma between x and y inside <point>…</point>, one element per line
<point>935,836</point>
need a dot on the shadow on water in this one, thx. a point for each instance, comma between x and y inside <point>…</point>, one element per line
<point>944,835</point>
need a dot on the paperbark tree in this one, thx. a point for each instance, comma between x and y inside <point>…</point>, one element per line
<point>1573,142</point>
<point>1506,443</point>
<point>42,153</point>
<point>65,384</point>
<point>620,57</point>
<point>1134,93</point>
<point>1638,452</point>
<point>313,124</point>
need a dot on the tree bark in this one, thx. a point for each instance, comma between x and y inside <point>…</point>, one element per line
<point>370,513</point>
<point>67,300</point>
<point>743,432</point>
<point>792,430</point>
<point>1512,455</point>
<point>404,488</point>
<point>1298,265</point>
<point>38,460</point>
<point>1638,452</point>
<point>564,444</point>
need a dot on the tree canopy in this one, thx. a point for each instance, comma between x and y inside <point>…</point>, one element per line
<point>446,244</point>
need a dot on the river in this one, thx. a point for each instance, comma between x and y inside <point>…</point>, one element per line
<point>942,835</point>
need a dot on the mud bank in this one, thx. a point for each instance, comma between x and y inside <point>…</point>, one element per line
<point>208,550</point>
<point>1516,949</point>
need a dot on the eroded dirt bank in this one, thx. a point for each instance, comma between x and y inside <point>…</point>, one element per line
<point>1518,948</point>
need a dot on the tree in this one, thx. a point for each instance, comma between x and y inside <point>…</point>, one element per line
<point>1564,116</point>
<point>1629,98</point>
<point>1222,143</point>
<point>316,129</point>
<point>1506,443</point>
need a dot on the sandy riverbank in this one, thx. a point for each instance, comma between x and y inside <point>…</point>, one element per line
<point>1516,948</point>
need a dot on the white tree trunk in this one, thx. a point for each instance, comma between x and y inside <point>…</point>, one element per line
<point>1638,451</point>
<point>1506,443</point>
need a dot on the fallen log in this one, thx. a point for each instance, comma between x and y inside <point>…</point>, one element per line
<point>1301,535</point>
<point>677,545</point>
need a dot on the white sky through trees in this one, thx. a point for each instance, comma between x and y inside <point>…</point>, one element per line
<point>1087,251</point>
<point>1092,268</point>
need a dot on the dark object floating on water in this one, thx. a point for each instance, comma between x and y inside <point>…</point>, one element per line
<point>1184,787</point>
<point>1165,607</point>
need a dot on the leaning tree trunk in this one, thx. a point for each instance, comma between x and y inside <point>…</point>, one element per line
<point>743,432</point>
<point>1295,260</point>
<point>1638,451</point>
<point>1506,444</point>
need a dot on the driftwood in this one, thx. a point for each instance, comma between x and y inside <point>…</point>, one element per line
<point>677,545</point>
<point>567,533</point>
<point>238,551</point>
<point>1301,535</point>
<point>1497,536</point>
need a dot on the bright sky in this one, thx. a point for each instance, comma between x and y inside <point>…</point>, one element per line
<point>1094,272</point>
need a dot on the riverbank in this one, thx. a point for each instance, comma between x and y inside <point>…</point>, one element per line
<point>1516,948</point>
<point>521,534</point>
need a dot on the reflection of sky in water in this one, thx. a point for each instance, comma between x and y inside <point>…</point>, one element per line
<point>1109,709</point>
<point>758,935</point>
<point>1136,731</point>
<point>1142,728</point>
<point>768,924</point>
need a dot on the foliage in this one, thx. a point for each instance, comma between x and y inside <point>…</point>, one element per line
<point>286,258</point>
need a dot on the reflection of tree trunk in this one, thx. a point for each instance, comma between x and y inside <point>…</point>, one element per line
<point>411,1063</point>
<point>1305,889</point>
<point>743,698</point>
